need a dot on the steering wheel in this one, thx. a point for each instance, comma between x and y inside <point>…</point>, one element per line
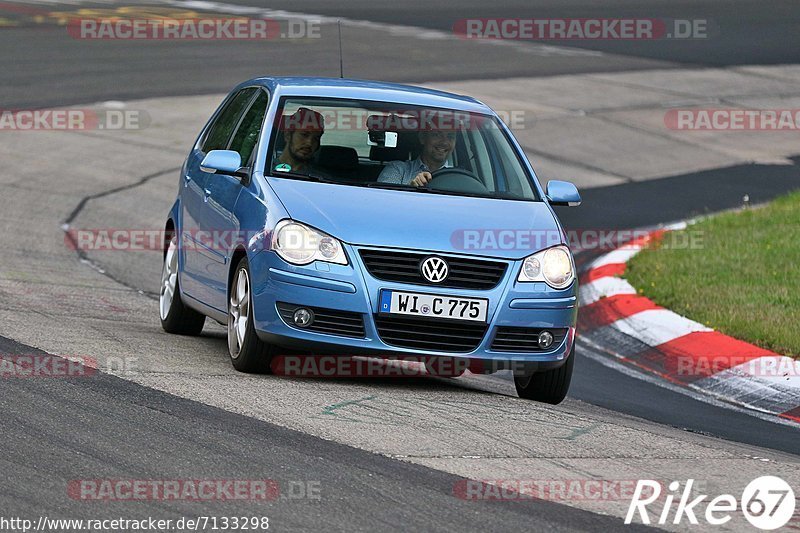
<point>452,179</point>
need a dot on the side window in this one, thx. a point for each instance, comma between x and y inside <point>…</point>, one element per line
<point>221,129</point>
<point>246,137</point>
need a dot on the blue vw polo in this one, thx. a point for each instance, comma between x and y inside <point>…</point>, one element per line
<point>365,218</point>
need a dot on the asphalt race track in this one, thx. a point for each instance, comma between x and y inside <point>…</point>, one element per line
<point>42,58</point>
<point>178,435</point>
<point>384,455</point>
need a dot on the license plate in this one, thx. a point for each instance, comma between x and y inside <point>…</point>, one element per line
<point>434,306</point>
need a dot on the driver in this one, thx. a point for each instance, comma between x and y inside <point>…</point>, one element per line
<point>437,145</point>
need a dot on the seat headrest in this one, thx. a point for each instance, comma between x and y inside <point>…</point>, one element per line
<point>338,157</point>
<point>383,154</point>
<point>406,128</point>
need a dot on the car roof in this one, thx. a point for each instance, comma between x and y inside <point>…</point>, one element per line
<point>367,90</point>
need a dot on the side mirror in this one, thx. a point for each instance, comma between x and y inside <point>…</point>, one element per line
<point>563,193</point>
<point>225,161</point>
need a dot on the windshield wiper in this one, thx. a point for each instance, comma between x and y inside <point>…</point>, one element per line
<point>301,176</point>
<point>395,186</point>
<point>497,195</point>
<point>401,187</point>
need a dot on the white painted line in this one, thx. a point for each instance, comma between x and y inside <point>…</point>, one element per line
<point>677,226</point>
<point>601,355</point>
<point>623,255</point>
<point>657,326</point>
<point>777,369</point>
<point>603,288</point>
<point>763,386</point>
<point>761,394</point>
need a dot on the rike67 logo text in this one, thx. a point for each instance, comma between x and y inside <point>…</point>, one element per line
<point>767,503</point>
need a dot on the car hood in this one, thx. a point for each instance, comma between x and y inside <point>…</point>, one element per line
<point>487,227</point>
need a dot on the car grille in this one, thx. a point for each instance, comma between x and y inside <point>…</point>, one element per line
<point>477,274</point>
<point>524,340</point>
<point>426,334</point>
<point>328,321</point>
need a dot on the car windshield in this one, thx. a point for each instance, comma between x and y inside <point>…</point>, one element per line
<point>386,145</point>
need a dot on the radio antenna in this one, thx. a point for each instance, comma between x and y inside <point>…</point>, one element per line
<point>341,63</point>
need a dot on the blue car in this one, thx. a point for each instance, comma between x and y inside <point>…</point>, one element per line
<point>351,217</point>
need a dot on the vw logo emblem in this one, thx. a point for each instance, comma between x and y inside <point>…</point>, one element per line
<point>434,269</point>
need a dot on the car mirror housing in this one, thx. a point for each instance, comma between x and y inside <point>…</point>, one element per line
<point>563,193</point>
<point>226,161</point>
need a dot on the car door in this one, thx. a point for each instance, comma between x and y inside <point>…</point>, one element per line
<point>222,191</point>
<point>196,246</point>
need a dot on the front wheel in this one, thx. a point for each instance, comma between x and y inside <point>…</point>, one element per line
<point>175,316</point>
<point>248,353</point>
<point>549,386</point>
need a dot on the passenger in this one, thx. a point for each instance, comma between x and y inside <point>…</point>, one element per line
<point>302,132</point>
<point>437,145</point>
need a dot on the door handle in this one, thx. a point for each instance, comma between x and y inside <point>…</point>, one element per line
<point>206,194</point>
<point>186,180</point>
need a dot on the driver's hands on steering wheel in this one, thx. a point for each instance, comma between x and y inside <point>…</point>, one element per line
<point>421,179</point>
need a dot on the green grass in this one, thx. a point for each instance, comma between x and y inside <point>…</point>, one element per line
<point>738,273</point>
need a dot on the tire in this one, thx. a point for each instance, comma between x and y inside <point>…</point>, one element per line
<point>175,316</point>
<point>549,386</point>
<point>248,353</point>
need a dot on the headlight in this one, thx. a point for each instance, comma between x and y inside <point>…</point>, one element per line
<point>298,244</point>
<point>554,266</point>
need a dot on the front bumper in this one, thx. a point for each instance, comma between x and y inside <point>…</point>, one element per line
<point>350,288</point>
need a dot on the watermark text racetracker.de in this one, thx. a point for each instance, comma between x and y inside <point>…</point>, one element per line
<point>73,119</point>
<point>700,365</point>
<point>143,240</point>
<point>733,119</point>
<point>522,239</point>
<point>467,239</point>
<point>383,366</point>
<point>192,29</point>
<point>205,490</point>
<point>550,29</point>
<point>65,366</point>
<point>561,490</point>
<point>404,120</point>
<point>46,366</point>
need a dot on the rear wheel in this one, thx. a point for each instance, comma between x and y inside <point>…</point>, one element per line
<point>549,386</point>
<point>176,317</point>
<point>248,353</point>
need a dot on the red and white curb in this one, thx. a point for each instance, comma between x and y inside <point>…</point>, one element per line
<point>688,354</point>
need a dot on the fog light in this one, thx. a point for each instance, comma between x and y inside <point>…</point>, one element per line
<point>545,340</point>
<point>304,317</point>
